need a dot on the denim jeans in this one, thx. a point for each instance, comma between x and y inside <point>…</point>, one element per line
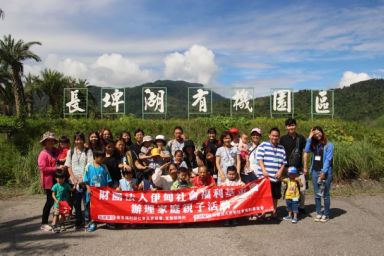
<point>326,196</point>
<point>292,206</point>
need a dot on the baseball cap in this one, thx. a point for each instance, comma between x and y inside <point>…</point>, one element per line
<point>257,130</point>
<point>160,137</point>
<point>147,138</point>
<point>234,130</point>
<point>292,170</point>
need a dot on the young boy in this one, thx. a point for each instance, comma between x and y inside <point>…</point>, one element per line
<point>203,179</point>
<point>147,183</point>
<point>96,175</point>
<point>292,194</point>
<point>182,179</point>
<point>127,183</point>
<point>60,192</point>
<point>233,178</point>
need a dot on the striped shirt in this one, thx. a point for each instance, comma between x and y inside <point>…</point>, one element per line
<point>273,158</point>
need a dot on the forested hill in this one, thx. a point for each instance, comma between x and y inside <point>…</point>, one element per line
<point>360,101</point>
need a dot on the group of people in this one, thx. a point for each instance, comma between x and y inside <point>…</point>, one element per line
<point>153,163</point>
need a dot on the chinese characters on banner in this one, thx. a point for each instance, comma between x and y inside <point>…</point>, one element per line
<point>242,101</point>
<point>113,101</point>
<point>282,102</point>
<point>181,206</point>
<point>322,102</point>
<point>75,101</point>
<point>199,100</point>
<point>154,100</point>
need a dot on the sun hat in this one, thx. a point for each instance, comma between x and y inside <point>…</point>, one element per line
<point>147,138</point>
<point>48,136</point>
<point>257,130</point>
<point>292,170</point>
<point>155,152</point>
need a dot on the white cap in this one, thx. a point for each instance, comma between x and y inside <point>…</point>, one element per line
<point>257,130</point>
<point>160,137</point>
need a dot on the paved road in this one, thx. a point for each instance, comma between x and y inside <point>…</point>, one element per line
<point>355,229</point>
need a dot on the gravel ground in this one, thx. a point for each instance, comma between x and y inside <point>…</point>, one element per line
<point>356,228</point>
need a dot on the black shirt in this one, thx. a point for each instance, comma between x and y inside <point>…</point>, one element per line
<point>318,158</point>
<point>210,146</point>
<point>112,164</point>
<point>289,144</point>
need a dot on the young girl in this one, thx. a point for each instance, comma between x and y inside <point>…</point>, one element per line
<point>292,194</point>
<point>127,183</point>
<point>226,156</point>
<point>178,159</point>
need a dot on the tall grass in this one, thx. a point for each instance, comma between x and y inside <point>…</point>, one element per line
<point>360,159</point>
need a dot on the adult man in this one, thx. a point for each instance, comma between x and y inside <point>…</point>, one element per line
<point>139,135</point>
<point>294,145</point>
<point>272,161</point>
<point>178,142</point>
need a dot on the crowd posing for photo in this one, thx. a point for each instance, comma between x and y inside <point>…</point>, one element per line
<point>154,163</point>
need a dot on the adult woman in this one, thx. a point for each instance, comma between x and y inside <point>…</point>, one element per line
<point>126,137</point>
<point>105,134</point>
<point>321,170</point>
<point>253,163</point>
<point>94,142</point>
<point>47,165</point>
<point>227,155</point>
<point>77,158</point>
<point>124,160</point>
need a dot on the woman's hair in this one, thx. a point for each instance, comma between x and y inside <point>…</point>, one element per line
<point>130,138</point>
<point>172,164</point>
<point>225,134</point>
<point>103,130</point>
<point>79,135</point>
<point>324,139</point>
<point>98,143</point>
<point>122,141</point>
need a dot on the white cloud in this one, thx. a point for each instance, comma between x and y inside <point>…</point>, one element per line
<point>195,65</point>
<point>350,77</point>
<point>106,70</point>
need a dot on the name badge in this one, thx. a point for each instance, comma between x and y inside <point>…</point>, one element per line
<point>317,158</point>
<point>97,184</point>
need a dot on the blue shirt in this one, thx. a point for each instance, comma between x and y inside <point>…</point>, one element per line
<point>273,158</point>
<point>96,176</point>
<point>126,185</point>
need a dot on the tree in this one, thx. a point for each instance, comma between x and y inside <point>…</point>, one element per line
<point>13,53</point>
<point>6,95</point>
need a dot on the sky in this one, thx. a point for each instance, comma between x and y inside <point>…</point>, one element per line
<point>221,44</point>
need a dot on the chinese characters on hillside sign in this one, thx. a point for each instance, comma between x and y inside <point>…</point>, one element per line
<point>75,101</point>
<point>322,102</point>
<point>112,101</point>
<point>154,101</point>
<point>282,102</point>
<point>199,102</point>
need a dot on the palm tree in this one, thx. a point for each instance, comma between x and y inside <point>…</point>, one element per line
<point>13,54</point>
<point>6,95</point>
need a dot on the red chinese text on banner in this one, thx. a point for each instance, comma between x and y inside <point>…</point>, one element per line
<point>181,206</point>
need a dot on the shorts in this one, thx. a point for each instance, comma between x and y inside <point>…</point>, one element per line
<point>292,206</point>
<point>276,189</point>
<point>56,211</point>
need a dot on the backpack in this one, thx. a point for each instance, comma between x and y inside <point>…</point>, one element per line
<point>295,157</point>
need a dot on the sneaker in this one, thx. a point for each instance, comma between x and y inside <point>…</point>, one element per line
<point>46,227</point>
<point>56,229</point>
<point>91,227</point>
<point>62,228</point>
<point>324,219</point>
<point>317,218</point>
<point>288,218</point>
<point>294,220</point>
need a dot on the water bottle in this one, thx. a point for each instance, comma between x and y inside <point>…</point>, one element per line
<point>321,185</point>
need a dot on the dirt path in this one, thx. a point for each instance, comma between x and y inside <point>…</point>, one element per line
<point>355,229</point>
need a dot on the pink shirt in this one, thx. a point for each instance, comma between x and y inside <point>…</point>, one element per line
<point>47,166</point>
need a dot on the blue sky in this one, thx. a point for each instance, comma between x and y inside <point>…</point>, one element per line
<point>260,44</point>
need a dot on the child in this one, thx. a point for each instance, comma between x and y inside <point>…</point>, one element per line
<point>233,178</point>
<point>147,183</point>
<point>127,183</point>
<point>95,175</point>
<point>60,192</point>
<point>244,150</point>
<point>62,150</point>
<point>178,159</point>
<point>145,150</point>
<point>203,179</point>
<point>182,179</point>
<point>292,194</point>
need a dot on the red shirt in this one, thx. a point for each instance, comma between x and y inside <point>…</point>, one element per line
<point>62,155</point>
<point>197,182</point>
